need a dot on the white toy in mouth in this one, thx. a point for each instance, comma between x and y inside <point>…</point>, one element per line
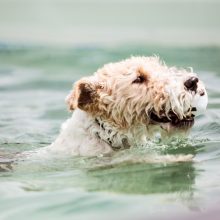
<point>200,102</point>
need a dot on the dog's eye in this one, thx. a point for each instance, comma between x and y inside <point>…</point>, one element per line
<point>139,79</point>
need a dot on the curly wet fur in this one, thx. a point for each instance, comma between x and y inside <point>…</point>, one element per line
<point>111,109</point>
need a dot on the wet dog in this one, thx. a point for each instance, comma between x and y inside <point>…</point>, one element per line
<point>128,103</point>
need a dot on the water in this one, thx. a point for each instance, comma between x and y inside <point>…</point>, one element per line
<point>33,84</point>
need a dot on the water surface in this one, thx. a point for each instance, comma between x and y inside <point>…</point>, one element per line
<point>33,84</point>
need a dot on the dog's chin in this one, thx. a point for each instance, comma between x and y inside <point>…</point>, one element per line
<point>172,123</point>
<point>182,126</point>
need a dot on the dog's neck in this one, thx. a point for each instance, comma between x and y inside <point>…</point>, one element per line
<point>86,135</point>
<point>105,132</point>
<point>117,138</point>
<point>111,135</point>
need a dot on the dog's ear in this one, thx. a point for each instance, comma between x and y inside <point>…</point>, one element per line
<point>84,94</point>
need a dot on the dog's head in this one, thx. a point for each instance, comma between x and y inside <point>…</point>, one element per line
<point>141,91</point>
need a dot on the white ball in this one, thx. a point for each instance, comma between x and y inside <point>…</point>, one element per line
<point>200,103</point>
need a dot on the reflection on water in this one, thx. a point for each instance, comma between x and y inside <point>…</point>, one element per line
<point>148,179</point>
<point>33,85</point>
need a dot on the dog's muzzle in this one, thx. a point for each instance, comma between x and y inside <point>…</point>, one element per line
<point>174,120</point>
<point>199,104</point>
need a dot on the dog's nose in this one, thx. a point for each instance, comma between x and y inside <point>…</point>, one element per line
<point>191,83</point>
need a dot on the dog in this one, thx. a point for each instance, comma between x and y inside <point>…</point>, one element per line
<point>129,103</point>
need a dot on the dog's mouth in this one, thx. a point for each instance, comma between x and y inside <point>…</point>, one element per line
<point>173,119</point>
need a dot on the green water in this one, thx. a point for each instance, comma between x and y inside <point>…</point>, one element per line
<point>33,84</point>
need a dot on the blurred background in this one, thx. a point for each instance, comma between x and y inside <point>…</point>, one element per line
<point>74,22</point>
<point>45,46</point>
